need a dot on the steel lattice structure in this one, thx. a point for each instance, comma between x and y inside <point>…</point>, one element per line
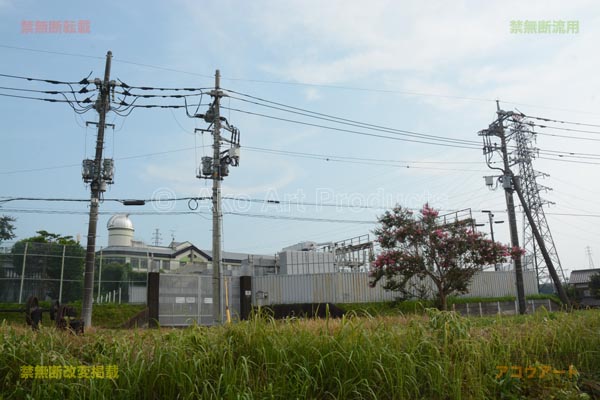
<point>523,137</point>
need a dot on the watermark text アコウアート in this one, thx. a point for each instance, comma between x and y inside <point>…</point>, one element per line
<point>533,371</point>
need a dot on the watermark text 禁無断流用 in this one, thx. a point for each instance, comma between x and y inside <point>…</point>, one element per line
<point>544,27</point>
<point>82,26</point>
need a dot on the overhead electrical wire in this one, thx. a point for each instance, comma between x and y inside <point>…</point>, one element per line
<point>170,213</point>
<point>315,156</point>
<point>124,108</point>
<point>560,121</point>
<point>345,121</point>
<point>331,118</point>
<point>291,83</point>
<point>352,131</point>
<point>51,81</point>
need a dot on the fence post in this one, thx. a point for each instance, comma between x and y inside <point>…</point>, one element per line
<point>499,309</point>
<point>549,305</point>
<point>480,310</point>
<point>100,276</point>
<point>516,307</point>
<point>62,273</point>
<point>119,294</point>
<point>152,293</point>
<point>23,273</point>
<point>533,304</point>
<point>467,309</point>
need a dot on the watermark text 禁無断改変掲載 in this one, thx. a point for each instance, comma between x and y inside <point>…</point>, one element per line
<point>69,372</point>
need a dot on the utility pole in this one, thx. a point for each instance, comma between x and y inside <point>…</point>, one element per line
<point>98,174</point>
<point>216,168</point>
<point>216,201</point>
<point>497,129</point>
<point>492,222</point>
<point>512,221</point>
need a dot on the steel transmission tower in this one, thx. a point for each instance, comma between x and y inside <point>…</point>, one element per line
<point>515,149</point>
<point>524,153</point>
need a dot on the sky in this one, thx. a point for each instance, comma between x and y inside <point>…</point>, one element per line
<point>431,67</point>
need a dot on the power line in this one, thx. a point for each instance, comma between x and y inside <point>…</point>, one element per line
<point>84,90</point>
<point>351,131</point>
<point>171,213</point>
<point>560,121</point>
<point>344,121</point>
<point>306,84</point>
<point>51,81</point>
<point>327,156</point>
<point>427,139</point>
<point>466,146</point>
<point>35,98</point>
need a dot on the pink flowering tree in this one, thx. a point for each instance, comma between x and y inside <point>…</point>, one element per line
<point>421,248</point>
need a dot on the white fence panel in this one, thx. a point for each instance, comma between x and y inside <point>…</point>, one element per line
<point>354,287</point>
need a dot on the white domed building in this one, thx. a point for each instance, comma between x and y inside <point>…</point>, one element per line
<point>124,249</point>
<point>120,230</point>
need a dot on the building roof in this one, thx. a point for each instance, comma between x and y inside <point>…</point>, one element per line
<point>228,255</point>
<point>120,221</point>
<point>138,251</point>
<point>590,302</point>
<point>175,251</point>
<point>582,275</point>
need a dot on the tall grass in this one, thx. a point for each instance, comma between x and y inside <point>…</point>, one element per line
<point>434,356</point>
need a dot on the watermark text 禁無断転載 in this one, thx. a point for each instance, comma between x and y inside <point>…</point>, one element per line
<point>82,26</point>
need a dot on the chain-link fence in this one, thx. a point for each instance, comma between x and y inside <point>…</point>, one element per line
<point>51,271</point>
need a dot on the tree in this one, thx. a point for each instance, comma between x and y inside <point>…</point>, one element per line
<point>45,262</point>
<point>421,249</point>
<point>595,286</point>
<point>6,228</point>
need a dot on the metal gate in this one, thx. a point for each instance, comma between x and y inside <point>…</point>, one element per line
<point>185,300</point>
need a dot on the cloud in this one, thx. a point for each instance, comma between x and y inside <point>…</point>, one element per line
<point>312,94</point>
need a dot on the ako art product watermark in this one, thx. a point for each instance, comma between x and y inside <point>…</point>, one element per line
<point>83,26</point>
<point>533,371</point>
<point>69,372</point>
<point>544,27</point>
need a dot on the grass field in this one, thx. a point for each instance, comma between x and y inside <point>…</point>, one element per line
<point>433,356</point>
<point>104,315</point>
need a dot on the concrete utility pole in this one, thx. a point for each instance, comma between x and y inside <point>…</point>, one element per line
<point>216,201</point>
<point>216,168</point>
<point>98,185</point>
<point>497,129</point>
